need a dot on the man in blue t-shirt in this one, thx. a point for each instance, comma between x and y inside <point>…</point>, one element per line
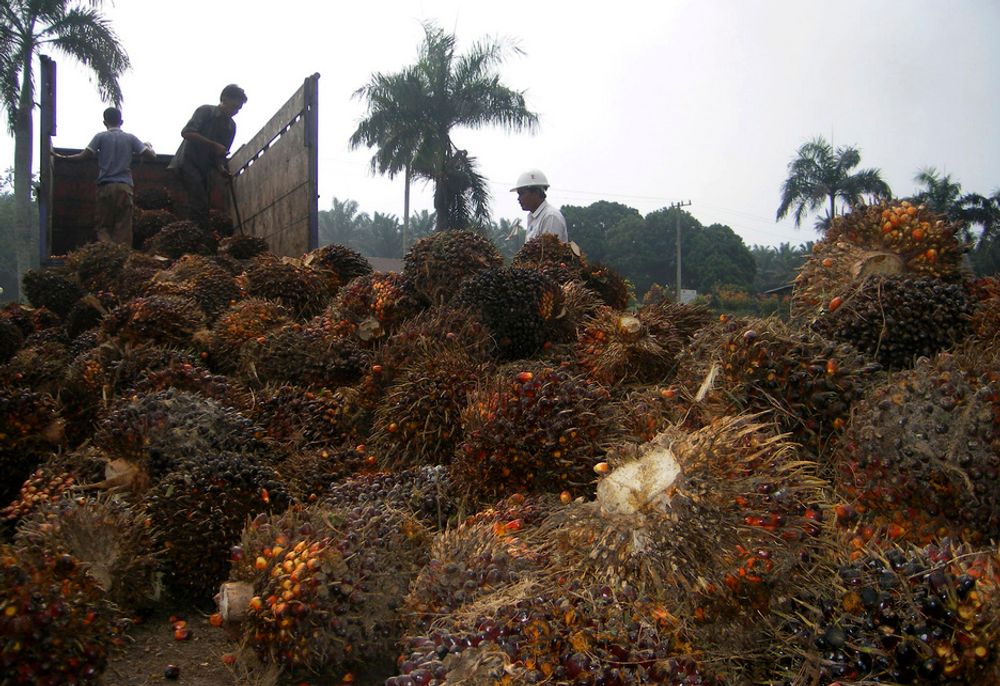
<point>114,150</point>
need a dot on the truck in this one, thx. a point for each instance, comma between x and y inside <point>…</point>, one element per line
<point>273,192</point>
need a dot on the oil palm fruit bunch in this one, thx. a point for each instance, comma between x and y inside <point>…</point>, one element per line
<point>427,494</point>
<point>896,319</point>
<point>30,320</point>
<point>115,542</point>
<point>327,584</point>
<point>182,237</point>
<point>243,321</point>
<point>243,247</point>
<point>310,472</point>
<point>97,266</point>
<point>372,306</point>
<point>148,222</point>
<point>302,290</point>
<point>200,508</point>
<point>303,354</point>
<point>11,339</point>
<point>618,347</point>
<point>201,279</point>
<point>431,331</point>
<point>56,627</point>
<point>809,383</point>
<point>164,430</point>
<point>153,198</point>
<point>520,307</point>
<point>711,523</point>
<point>491,551</point>
<point>894,615</point>
<point>137,272</point>
<point>39,365</point>
<point>303,417</point>
<point>190,376</point>
<point>895,238</point>
<point>88,312</point>
<point>532,429</point>
<point>985,322</point>
<point>57,475</point>
<point>568,633</point>
<point>344,262</point>
<point>30,428</point>
<point>161,319</point>
<point>611,286</point>
<point>922,453</point>
<point>418,421</point>
<point>562,261</point>
<point>53,288</point>
<point>436,264</point>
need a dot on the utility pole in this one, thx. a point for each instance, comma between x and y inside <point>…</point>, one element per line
<point>677,206</point>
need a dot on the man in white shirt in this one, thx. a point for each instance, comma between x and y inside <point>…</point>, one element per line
<point>542,217</point>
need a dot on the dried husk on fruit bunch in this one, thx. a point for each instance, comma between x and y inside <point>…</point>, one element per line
<point>806,382</point>
<point>618,347</point>
<point>533,429</point>
<point>54,288</point>
<point>56,627</point>
<point>431,332</point>
<point>243,247</point>
<point>115,542</point>
<point>895,238</point>
<point>711,523</point>
<point>921,456</point>
<point>896,615</point>
<point>613,289</point>
<point>418,420</point>
<point>563,262</point>
<point>327,584</point>
<point>436,264</point>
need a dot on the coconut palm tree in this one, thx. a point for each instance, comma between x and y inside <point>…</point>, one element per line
<point>942,195</point>
<point>412,113</point>
<point>820,175</point>
<point>26,28</point>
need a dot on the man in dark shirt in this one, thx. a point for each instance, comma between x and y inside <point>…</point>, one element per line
<point>207,138</point>
<point>114,150</point>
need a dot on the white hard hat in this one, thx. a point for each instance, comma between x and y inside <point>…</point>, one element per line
<point>532,177</point>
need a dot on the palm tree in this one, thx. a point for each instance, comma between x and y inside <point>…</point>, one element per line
<point>338,225</point>
<point>27,27</point>
<point>820,175</point>
<point>944,196</point>
<point>411,115</point>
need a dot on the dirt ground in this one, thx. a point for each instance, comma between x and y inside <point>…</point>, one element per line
<point>151,647</point>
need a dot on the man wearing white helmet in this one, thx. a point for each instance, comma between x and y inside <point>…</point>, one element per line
<point>542,217</point>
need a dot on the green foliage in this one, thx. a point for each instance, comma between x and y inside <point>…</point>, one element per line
<point>588,226</point>
<point>777,267</point>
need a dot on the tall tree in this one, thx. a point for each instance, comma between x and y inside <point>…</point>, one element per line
<point>29,26</point>
<point>588,226</point>
<point>412,113</point>
<point>339,224</point>
<point>820,175</point>
<point>943,195</point>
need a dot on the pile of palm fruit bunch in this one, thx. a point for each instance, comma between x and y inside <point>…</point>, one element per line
<point>884,278</point>
<point>490,473</point>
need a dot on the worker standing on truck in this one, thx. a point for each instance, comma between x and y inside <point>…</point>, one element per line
<point>114,150</point>
<point>202,153</point>
<point>542,217</point>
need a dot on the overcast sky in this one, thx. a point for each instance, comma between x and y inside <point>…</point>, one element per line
<point>642,103</point>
